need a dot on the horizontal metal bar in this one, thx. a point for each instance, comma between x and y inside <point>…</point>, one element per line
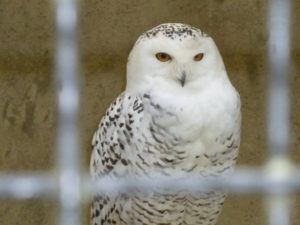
<point>245,180</point>
<point>27,185</point>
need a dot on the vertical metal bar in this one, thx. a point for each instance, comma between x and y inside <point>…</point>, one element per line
<point>279,209</point>
<point>68,109</point>
<point>279,167</point>
<point>279,76</point>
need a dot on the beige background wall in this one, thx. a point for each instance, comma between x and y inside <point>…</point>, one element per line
<point>108,31</point>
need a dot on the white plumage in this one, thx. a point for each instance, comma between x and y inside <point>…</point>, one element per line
<point>179,115</point>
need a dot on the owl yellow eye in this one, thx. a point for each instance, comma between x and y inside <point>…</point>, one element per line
<point>198,57</point>
<point>163,57</point>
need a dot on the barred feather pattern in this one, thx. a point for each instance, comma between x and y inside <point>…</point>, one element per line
<point>140,137</point>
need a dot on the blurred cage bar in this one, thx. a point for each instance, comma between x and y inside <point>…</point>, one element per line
<point>278,179</point>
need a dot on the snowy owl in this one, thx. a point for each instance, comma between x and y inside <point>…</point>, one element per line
<point>179,115</point>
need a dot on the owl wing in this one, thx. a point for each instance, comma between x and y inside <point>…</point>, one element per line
<point>111,154</point>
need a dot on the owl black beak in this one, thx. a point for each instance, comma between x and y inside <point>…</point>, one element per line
<point>183,78</point>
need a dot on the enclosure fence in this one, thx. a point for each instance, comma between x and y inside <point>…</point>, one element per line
<point>278,179</point>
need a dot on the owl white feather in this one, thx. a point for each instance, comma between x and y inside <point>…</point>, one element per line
<point>178,116</point>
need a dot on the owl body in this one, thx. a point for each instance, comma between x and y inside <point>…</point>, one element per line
<point>176,118</point>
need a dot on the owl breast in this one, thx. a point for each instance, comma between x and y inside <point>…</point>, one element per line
<point>183,138</point>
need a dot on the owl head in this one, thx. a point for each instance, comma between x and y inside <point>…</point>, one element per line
<point>175,57</point>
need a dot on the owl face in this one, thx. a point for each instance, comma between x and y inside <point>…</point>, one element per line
<point>175,55</point>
